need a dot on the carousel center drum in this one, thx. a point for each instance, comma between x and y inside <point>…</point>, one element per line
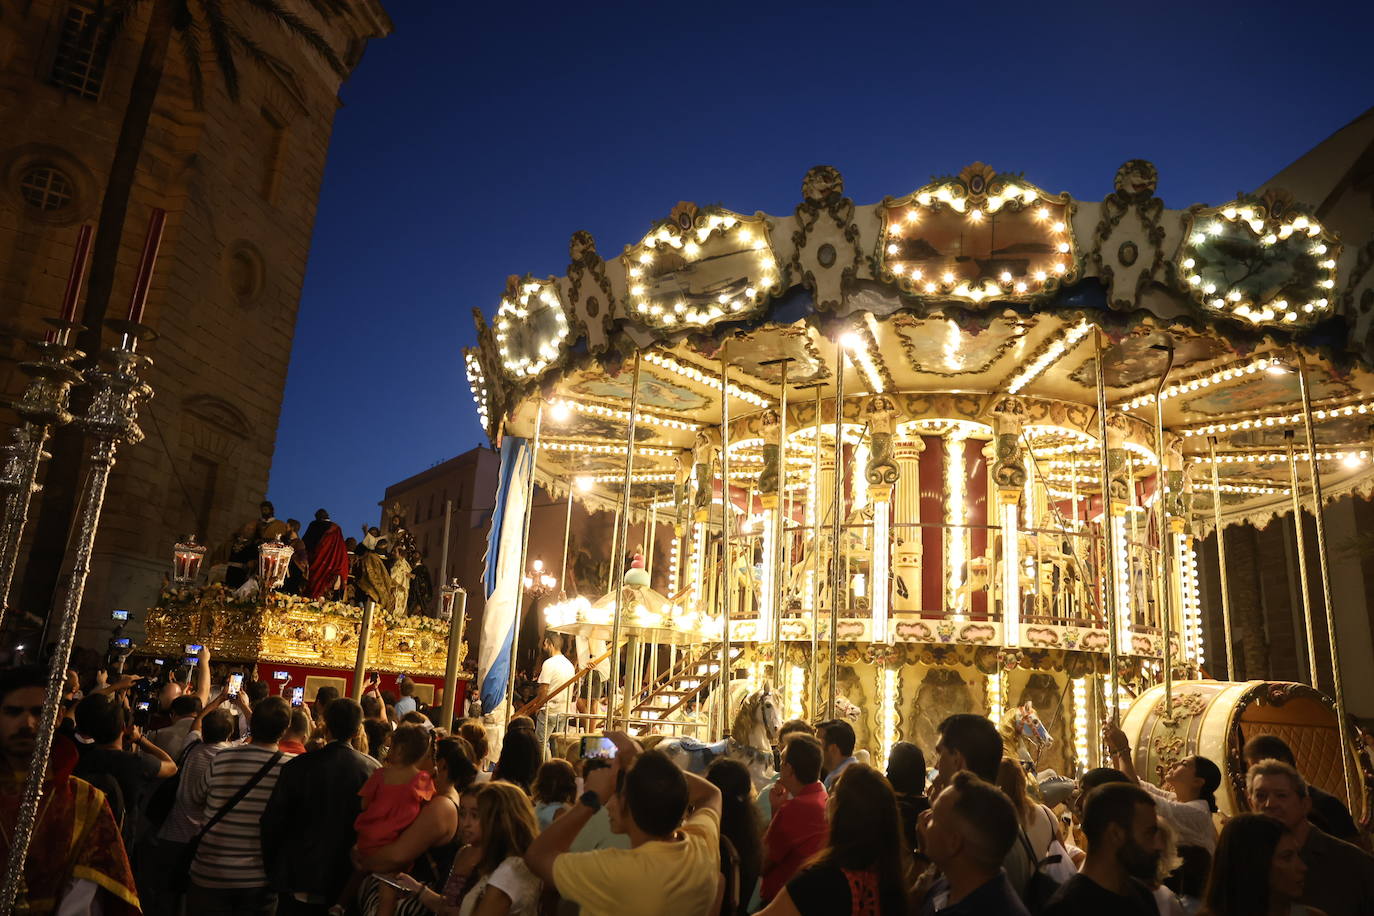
<point>1214,719</point>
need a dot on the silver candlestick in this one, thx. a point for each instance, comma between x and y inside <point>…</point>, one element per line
<point>43,406</point>
<point>116,393</point>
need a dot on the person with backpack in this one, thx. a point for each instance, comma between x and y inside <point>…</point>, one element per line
<point>179,821</point>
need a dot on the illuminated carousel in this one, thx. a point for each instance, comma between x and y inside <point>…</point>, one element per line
<point>949,452</point>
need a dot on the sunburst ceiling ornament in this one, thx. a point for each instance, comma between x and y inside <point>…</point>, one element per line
<point>1260,260</point>
<point>700,266</point>
<point>981,235</point>
<point>531,326</point>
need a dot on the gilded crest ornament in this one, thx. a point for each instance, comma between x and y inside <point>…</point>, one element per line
<point>826,239</point>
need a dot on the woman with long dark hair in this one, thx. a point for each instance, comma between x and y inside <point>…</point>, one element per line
<point>861,871</point>
<point>520,759</point>
<point>1188,799</point>
<point>1257,871</point>
<point>740,828</point>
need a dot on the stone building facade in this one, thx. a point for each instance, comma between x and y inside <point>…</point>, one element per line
<point>240,181</point>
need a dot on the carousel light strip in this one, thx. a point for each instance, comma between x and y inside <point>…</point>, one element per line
<point>688,247</point>
<point>1121,569</point>
<point>665,477</point>
<point>994,693</point>
<point>861,345</point>
<point>768,614</point>
<point>1205,381</point>
<point>881,562</point>
<point>600,448</point>
<point>887,710</point>
<point>914,279</point>
<point>1233,299</point>
<point>1349,457</point>
<point>675,567</point>
<point>1191,603</point>
<point>705,378</point>
<point>615,413</point>
<point>477,381</point>
<point>510,313</point>
<point>954,516</point>
<point>1011,572</point>
<point>796,679</point>
<point>1056,349</point>
<point>1080,722</point>
<point>1249,489</point>
<point>1280,420</point>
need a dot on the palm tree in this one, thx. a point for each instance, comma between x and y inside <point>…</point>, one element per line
<point>189,21</point>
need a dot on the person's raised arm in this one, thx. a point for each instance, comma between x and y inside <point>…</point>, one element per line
<point>434,826</point>
<point>1120,747</point>
<point>559,835</point>
<point>166,765</point>
<point>203,675</point>
<point>702,793</point>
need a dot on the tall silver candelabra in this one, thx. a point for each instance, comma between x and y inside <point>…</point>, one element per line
<point>116,393</point>
<point>43,406</point>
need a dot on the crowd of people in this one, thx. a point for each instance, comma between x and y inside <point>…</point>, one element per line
<point>215,800</point>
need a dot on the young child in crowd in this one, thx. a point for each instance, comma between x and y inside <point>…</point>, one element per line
<point>392,798</point>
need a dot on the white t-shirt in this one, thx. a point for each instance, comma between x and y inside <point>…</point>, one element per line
<point>557,671</point>
<point>513,878</point>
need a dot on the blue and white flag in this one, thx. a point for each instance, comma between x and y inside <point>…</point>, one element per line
<point>501,578</point>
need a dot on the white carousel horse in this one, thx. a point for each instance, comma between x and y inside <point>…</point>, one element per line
<point>750,741</point>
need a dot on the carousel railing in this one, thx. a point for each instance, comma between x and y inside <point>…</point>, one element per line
<point>533,706</point>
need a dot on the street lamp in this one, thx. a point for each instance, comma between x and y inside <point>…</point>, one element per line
<point>538,582</point>
<point>273,557</point>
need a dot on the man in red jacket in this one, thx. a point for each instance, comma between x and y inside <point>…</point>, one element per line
<point>798,829</point>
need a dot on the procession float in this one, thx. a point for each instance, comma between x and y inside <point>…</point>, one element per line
<point>948,452</point>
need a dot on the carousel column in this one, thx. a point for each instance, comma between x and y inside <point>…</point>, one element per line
<point>1009,474</point>
<point>777,562</point>
<point>1184,614</point>
<point>906,560</point>
<point>1164,593</point>
<point>1110,524</point>
<point>837,587</point>
<point>1338,691</point>
<point>727,567</point>
<point>811,588</point>
<point>956,535</point>
<point>881,473</point>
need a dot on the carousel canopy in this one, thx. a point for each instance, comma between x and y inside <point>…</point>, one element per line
<point>949,298</point>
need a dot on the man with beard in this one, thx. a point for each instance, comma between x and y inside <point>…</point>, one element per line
<point>1124,846</point>
<point>268,527</point>
<point>329,556</point>
<point>76,861</point>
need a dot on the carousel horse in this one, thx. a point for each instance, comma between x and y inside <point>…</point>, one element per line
<point>1024,736</point>
<point>750,741</point>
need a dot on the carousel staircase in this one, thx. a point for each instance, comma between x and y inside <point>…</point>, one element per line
<point>695,672</point>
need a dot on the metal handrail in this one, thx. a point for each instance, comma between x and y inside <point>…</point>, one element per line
<point>537,704</point>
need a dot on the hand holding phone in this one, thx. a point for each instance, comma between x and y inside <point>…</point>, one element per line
<point>235,682</point>
<point>297,696</point>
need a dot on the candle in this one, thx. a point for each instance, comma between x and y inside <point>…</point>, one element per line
<point>77,274</point>
<point>144,278</point>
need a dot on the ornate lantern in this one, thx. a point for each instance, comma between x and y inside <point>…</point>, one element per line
<point>537,581</point>
<point>273,559</point>
<point>446,596</point>
<point>186,559</point>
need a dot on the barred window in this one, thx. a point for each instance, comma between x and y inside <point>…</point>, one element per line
<point>45,188</point>
<point>77,68</point>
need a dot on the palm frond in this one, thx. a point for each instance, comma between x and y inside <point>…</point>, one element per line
<point>220,39</point>
<point>256,52</point>
<point>330,8</point>
<point>300,29</point>
<point>190,49</point>
<point>106,23</point>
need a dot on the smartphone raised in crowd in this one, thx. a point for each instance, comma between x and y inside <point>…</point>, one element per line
<point>119,615</point>
<point>194,649</point>
<point>281,675</point>
<point>597,746</point>
<point>235,682</point>
<point>297,696</point>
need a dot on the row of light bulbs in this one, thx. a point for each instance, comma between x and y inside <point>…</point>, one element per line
<point>510,312</point>
<point>1061,345</point>
<point>477,382</point>
<point>1263,363</point>
<point>563,408</point>
<point>1285,419</point>
<point>691,372</point>
<point>680,312</point>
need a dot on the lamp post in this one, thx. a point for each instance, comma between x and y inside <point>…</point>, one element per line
<point>452,598</point>
<point>538,582</point>
<point>273,559</point>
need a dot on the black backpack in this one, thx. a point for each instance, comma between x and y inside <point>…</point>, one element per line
<point>1040,887</point>
<point>164,797</point>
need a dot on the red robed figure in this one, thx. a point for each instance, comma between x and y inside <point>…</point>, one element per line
<point>328,562</point>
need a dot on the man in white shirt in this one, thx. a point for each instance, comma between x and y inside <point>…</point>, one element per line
<point>556,671</point>
<point>407,702</point>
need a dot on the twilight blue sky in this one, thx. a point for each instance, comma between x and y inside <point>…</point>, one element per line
<point>479,136</point>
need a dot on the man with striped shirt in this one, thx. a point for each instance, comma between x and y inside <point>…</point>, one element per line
<point>227,875</point>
